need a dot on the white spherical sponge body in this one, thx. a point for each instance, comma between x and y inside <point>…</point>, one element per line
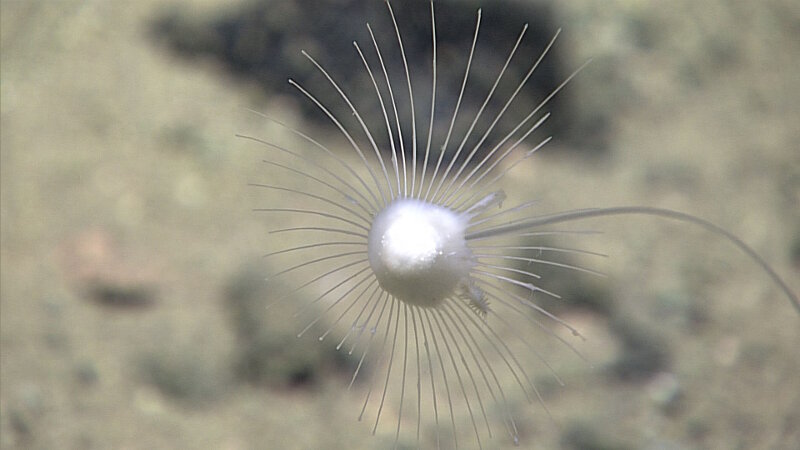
<point>418,251</point>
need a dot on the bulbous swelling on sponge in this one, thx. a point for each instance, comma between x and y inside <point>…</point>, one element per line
<point>418,252</point>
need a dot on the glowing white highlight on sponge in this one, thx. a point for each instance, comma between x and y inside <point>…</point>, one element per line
<point>418,252</point>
